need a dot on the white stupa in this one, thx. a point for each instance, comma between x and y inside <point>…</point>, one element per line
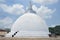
<point>29,25</point>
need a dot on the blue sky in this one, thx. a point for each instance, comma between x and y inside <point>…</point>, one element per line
<point>10,10</point>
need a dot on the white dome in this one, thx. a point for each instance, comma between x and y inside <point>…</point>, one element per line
<point>29,24</point>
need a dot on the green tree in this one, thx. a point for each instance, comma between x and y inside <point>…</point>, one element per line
<point>8,30</point>
<point>57,29</point>
<point>51,30</point>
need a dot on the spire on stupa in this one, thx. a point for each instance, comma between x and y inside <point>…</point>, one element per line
<point>30,8</point>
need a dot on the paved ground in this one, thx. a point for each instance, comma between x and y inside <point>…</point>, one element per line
<point>29,38</point>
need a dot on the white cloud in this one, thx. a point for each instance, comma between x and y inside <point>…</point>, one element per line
<point>45,1</point>
<point>6,22</point>
<point>54,25</point>
<point>1,1</point>
<point>43,11</point>
<point>16,9</point>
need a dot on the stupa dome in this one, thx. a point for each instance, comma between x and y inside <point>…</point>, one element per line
<point>29,22</point>
<point>28,25</point>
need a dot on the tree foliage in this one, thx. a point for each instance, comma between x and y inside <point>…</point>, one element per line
<point>8,30</point>
<point>55,30</point>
